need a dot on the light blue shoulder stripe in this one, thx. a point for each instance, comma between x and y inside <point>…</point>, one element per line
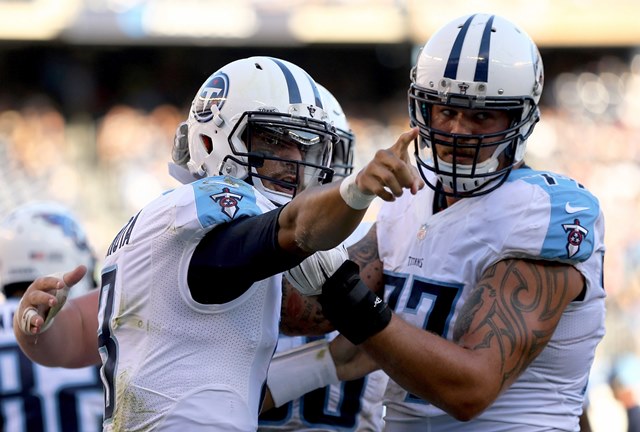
<point>222,199</point>
<point>574,212</point>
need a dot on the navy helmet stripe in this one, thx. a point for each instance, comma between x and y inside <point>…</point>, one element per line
<point>292,85</point>
<point>451,70</point>
<point>316,92</point>
<point>482,67</point>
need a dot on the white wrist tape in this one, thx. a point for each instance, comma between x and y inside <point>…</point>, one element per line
<point>29,312</point>
<point>25,320</point>
<point>61,297</point>
<point>298,371</point>
<point>350,193</point>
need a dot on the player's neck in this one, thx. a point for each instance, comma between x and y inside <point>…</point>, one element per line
<point>450,200</point>
<point>440,201</point>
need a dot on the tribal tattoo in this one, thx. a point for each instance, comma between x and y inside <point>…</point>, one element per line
<point>516,307</point>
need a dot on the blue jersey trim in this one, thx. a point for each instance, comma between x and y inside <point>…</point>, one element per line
<point>573,215</point>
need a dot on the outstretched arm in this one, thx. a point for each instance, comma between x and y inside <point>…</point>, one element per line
<point>504,324</point>
<point>319,218</point>
<point>77,321</point>
<point>302,314</point>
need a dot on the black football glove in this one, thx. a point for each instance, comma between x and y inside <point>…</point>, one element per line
<point>351,306</point>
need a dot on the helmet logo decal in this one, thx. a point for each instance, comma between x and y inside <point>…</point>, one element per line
<point>538,72</point>
<point>463,88</point>
<point>67,225</point>
<point>213,92</point>
<point>311,109</point>
<point>576,235</point>
<point>228,201</point>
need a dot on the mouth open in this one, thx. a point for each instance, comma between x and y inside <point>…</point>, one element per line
<point>282,181</point>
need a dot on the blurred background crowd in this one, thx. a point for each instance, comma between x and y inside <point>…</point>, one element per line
<point>90,99</point>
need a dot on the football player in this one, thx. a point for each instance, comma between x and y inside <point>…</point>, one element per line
<point>191,286</point>
<point>38,238</point>
<point>494,272</point>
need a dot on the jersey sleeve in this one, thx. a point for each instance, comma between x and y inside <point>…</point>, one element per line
<point>222,199</point>
<point>557,216</point>
<point>237,242</point>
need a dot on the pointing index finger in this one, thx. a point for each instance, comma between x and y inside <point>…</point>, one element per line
<point>400,148</point>
<point>408,175</point>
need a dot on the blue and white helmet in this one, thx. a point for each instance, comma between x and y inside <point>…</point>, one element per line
<point>42,238</point>
<point>274,99</point>
<point>343,152</point>
<point>476,61</point>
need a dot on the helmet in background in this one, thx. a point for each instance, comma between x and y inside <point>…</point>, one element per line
<point>343,152</point>
<point>477,61</point>
<point>259,113</point>
<point>41,238</point>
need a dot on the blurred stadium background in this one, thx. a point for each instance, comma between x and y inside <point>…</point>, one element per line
<point>91,92</point>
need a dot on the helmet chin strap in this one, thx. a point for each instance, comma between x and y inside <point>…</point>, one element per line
<point>278,198</point>
<point>467,183</point>
<point>464,184</point>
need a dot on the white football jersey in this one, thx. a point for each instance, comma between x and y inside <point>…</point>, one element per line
<point>35,398</point>
<point>440,257</point>
<point>349,406</point>
<point>168,362</point>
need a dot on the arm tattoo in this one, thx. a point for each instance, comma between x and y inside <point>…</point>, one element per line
<point>515,308</point>
<point>365,254</point>
<point>301,315</point>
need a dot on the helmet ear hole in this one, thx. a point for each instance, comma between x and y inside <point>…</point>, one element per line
<point>207,143</point>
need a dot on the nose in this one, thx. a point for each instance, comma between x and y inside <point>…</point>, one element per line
<point>460,125</point>
<point>290,152</point>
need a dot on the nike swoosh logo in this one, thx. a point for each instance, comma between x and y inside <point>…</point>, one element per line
<point>571,209</point>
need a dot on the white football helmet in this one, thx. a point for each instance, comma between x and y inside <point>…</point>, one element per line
<point>41,238</point>
<point>261,119</point>
<point>476,61</point>
<point>343,152</point>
